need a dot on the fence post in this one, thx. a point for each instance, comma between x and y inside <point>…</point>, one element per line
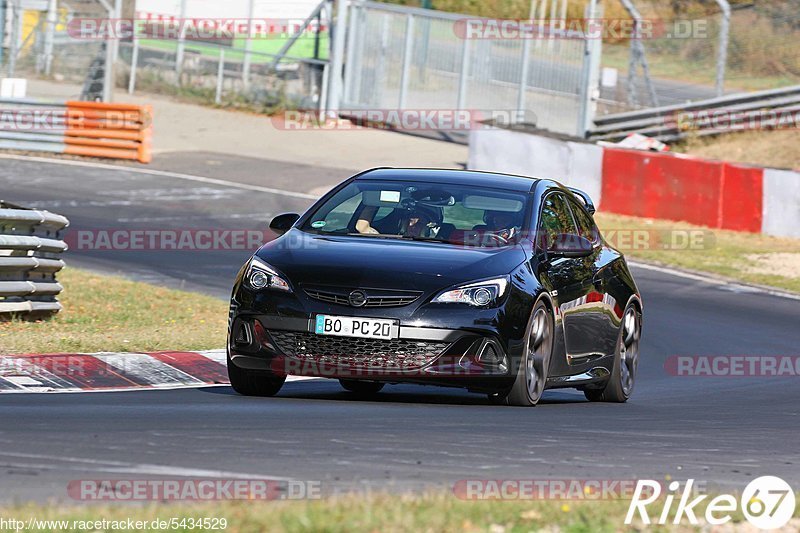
<point>16,30</point>
<point>179,51</point>
<point>108,71</point>
<point>220,76</point>
<point>638,57</point>
<point>49,35</point>
<point>3,12</point>
<point>323,91</point>
<point>523,77</point>
<point>406,71</point>
<point>350,63</point>
<point>337,61</point>
<point>722,53</point>
<point>248,45</point>
<point>134,64</point>
<point>464,74</point>
<point>590,75</point>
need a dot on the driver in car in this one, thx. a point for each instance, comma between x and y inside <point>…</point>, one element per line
<point>504,224</point>
<point>421,222</point>
<point>364,223</point>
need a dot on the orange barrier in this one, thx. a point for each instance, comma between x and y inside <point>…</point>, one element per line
<point>98,129</point>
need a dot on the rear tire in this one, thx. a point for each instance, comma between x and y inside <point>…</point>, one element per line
<point>361,387</point>
<point>619,386</point>
<point>248,382</point>
<point>534,366</point>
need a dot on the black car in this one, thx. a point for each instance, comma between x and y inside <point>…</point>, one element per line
<point>499,284</point>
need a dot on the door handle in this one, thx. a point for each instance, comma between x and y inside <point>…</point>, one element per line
<point>599,283</point>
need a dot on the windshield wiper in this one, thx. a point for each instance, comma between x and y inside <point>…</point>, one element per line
<point>398,237</point>
<point>423,239</point>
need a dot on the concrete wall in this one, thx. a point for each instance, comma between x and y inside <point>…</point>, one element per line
<point>781,208</point>
<point>574,164</point>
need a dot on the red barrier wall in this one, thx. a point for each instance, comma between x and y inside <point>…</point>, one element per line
<point>742,198</point>
<point>666,186</point>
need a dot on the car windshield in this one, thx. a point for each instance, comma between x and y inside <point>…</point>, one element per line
<point>452,214</point>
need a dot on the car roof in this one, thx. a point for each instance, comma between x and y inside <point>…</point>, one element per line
<point>494,180</point>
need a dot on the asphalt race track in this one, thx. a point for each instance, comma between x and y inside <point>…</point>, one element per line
<point>716,430</point>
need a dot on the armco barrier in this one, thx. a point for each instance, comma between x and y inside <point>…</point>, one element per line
<point>30,245</point>
<point>96,129</point>
<point>725,114</point>
<point>668,186</point>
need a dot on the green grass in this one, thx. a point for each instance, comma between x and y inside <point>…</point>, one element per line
<point>386,513</point>
<point>731,254</point>
<point>667,66</point>
<point>106,313</point>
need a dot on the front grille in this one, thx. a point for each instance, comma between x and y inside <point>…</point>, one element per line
<point>348,351</point>
<point>375,297</point>
<point>328,297</point>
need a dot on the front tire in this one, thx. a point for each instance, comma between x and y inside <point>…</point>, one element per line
<point>534,366</point>
<point>249,382</point>
<point>361,387</point>
<point>619,386</point>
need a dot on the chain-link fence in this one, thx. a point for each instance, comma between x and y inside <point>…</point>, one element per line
<point>684,61</point>
<point>45,42</point>
<point>39,44</point>
<point>407,58</point>
<point>216,72</point>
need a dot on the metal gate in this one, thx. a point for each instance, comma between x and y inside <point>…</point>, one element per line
<point>408,58</point>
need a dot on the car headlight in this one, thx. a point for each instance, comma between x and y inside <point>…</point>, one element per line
<point>260,275</point>
<point>479,294</point>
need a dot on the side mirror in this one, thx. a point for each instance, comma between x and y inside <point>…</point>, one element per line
<point>568,245</point>
<point>283,223</point>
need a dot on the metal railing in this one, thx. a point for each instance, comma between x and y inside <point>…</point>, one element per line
<point>775,108</point>
<point>400,57</point>
<point>30,245</point>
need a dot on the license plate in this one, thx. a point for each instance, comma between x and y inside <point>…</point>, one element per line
<point>348,326</point>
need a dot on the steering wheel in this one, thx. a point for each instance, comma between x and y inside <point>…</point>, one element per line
<point>498,238</point>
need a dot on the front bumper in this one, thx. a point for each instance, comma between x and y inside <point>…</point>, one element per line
<point>466,357</point>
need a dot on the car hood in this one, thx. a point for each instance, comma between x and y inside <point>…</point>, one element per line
<point>384,263</point>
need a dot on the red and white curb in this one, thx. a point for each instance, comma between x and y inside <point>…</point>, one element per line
<point>113,371</point>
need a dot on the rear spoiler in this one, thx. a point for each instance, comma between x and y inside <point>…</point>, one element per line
<point>587,201</point>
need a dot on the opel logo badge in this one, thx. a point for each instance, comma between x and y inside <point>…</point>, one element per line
<point>358,298</point>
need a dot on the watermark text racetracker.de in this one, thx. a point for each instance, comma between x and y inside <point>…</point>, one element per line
<point>711,366</point>
<point>166,239</point>
<point>190,239</point>
<point>544,489</point>
<point>726,120</point>
<point>192,490</point>
<point>402,119</point>
<point>192,29</point>
<point>579,28</point>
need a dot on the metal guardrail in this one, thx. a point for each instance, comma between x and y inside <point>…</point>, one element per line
<point>30,245</point>
<point>94,129</point>
<point>715,116</point>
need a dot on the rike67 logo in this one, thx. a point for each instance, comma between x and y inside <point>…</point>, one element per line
<point>767,502</point>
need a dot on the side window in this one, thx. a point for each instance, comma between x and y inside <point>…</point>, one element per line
<point>555,219</point>
<point>339,217</point>
<point>586,225</point>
